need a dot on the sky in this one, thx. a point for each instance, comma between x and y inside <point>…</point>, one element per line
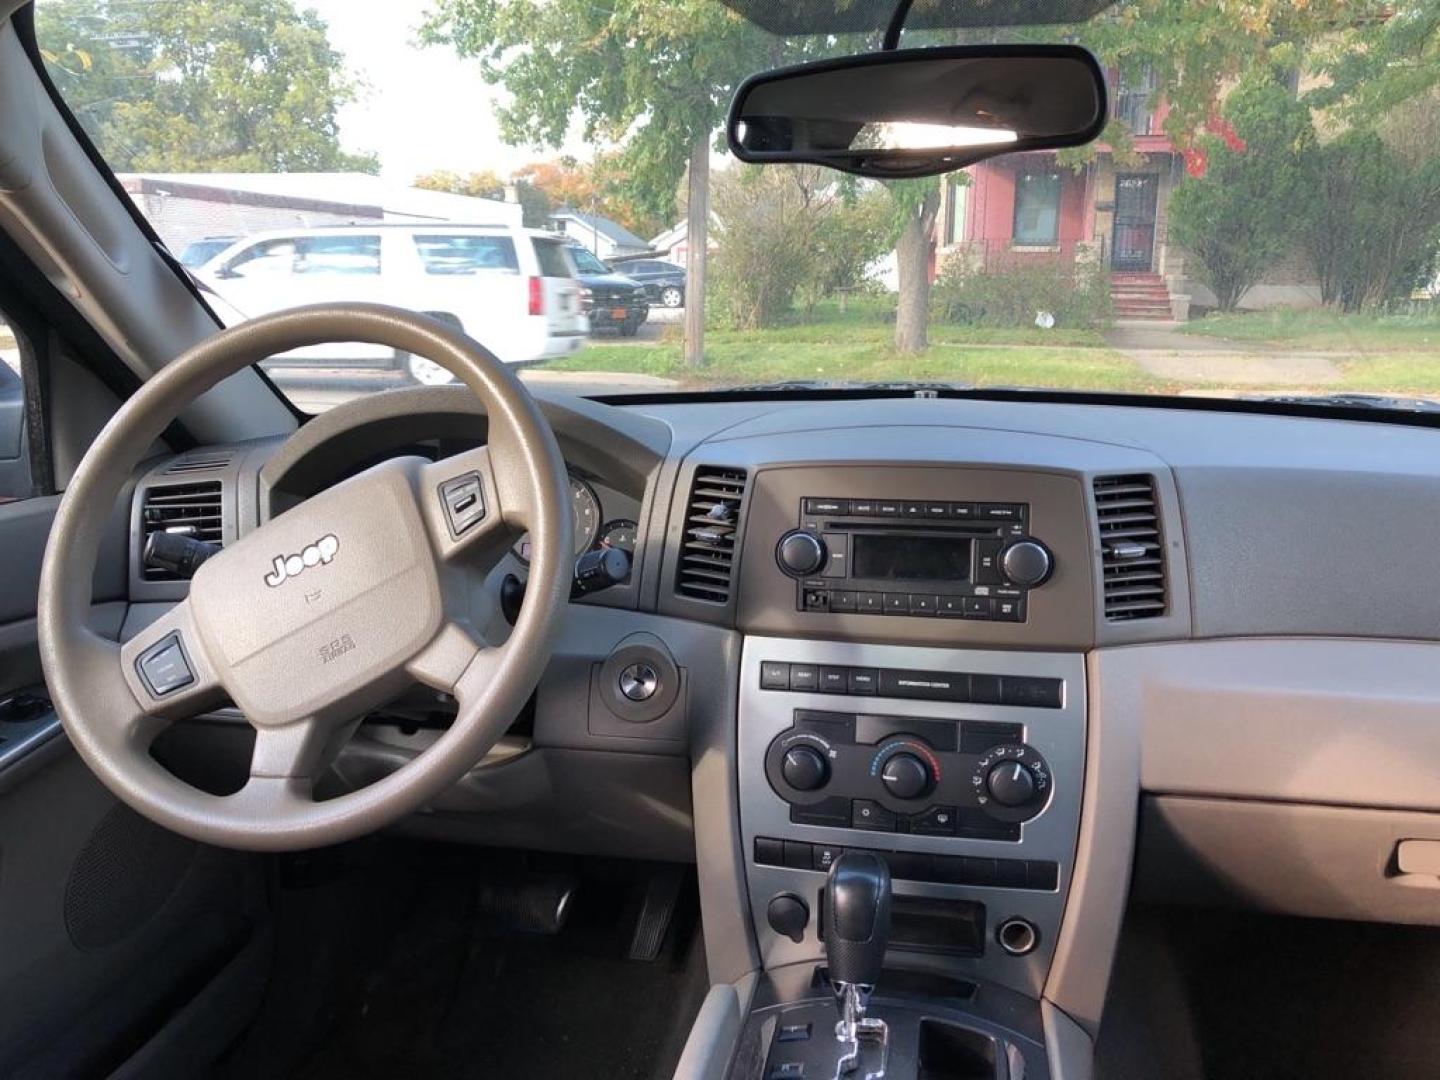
<point>425,108</point>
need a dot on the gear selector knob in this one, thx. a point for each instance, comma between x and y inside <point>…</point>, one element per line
<point>857,918</point>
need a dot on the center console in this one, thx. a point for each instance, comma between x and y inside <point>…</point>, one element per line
<point>961,769</point>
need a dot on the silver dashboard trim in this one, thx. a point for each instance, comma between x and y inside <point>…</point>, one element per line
<point>1059,734</point>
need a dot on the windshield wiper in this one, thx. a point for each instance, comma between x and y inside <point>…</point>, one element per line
<point>1351,401</point>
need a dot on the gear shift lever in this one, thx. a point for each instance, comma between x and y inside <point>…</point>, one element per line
<point>857,927</point>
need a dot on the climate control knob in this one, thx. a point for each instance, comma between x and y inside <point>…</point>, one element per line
<point>800,553</point>
<point>1011,784</point>
<point>1027,563</point>
<point>804,768</point>
<point>905,776</point>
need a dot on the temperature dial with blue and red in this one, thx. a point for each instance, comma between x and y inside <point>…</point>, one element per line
<point>907,768</point>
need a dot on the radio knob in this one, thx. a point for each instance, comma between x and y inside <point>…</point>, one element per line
<point>801,553</point>
<point>1027,563</point>
<point>804,768</point>
<point>906,777</point>
<point>1011,784</point>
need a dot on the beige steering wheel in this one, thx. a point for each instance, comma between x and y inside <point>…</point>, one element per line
<point>320,614</point>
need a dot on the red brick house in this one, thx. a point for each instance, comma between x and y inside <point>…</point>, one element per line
<point>1027,207</point>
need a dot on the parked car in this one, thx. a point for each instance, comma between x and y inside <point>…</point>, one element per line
<point>199,252</point>
<point>614,301</point>
<point>514,290</point>
<point>664,281</point>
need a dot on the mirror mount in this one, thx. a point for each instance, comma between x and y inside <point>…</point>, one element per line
<point>906,113</point>
<point>891,40</point>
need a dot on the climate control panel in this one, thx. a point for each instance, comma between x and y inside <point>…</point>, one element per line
<point>901,774</point>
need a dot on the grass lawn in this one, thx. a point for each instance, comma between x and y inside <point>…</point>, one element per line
<point>760,360</point>
<point>856,345</point>
<point>1393,373</point>
<point>1326,330</point>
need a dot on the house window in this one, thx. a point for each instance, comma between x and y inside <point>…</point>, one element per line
<point>1133,101</point>
<point>955,207</point>
<point>1037,209</point>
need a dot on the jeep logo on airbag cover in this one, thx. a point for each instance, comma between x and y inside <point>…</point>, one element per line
<point>289,566</point>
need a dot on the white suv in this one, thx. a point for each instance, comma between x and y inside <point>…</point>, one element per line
<point>512,289</point>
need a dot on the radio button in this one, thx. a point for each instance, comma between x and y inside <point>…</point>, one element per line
<point>912,510</point>
<point>826,506</point>
<point>871,602</point>
<point>921,604</point>
<point>1027,563</point>
<point>862,508</point>
<point>999,512</point>
<point>888,509</point>
<point>836,544</point>
<point>897,603</point>
<point>964,511</point>
<point>842,601</point>
<point>987,562</point>
<point>937,510</point>
<point>978,607</point>
<point>1010,610</point>
<point>801,553</point>
<point>816,601</point>
<point>952,607</point>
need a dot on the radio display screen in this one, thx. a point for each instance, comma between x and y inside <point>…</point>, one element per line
<point>909,558</point>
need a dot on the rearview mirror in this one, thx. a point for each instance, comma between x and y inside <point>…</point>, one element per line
<point>918,112</point>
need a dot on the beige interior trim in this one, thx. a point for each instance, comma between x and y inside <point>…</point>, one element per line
<point>1069,1051</point>
<point>1090,929</point>
<point>1350,722</point>
<point>717,1027</point>
<point>1325,862</point>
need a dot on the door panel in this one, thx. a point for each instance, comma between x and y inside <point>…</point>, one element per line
<point>108,924</point>
<point>1135,196</point>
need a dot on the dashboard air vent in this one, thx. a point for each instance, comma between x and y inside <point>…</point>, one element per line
<point>712,523</point>
<point>192,509</point>
<point>206,461</point>
<point>1132,547</point>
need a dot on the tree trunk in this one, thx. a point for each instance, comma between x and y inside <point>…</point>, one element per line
<point>697,237</point>
<point>912,257</point>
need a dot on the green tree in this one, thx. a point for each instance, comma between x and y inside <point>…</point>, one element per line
<point>653,77</point>
<point>1243,214</point>
<point>203,86</point>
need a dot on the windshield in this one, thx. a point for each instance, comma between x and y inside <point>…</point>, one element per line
<point>1260,217</point>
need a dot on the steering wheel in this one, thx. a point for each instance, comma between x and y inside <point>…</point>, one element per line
<point>320,614</point>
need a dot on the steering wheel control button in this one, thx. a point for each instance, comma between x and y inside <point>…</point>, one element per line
<point>638,682</point>
<point>464,501</point>
<point>164,667</point>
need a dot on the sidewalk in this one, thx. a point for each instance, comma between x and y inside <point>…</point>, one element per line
<point>1160,349</point>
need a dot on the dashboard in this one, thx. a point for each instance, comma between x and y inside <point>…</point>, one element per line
<point>987,640</point>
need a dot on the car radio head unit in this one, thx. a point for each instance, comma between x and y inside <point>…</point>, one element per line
<point>962,560</point>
